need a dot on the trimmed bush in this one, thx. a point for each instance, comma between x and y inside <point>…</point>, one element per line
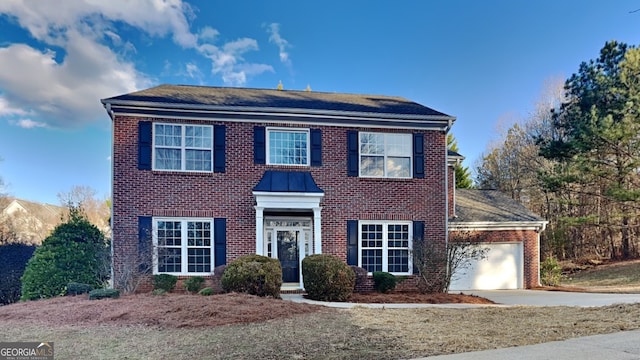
<point>74,288</point>
<point>76,251</point>
<point>158,292</point>
<point>253,274</point>
<point>383,281</point>
<point>206,291</point>
<point>194,284</point>
<point>98,294</point>
<point>327,278</point>
<point>164,282</point>
<point>13,261</point>
<point>550,272</point>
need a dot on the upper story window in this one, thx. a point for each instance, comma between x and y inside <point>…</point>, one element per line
<point>183,147</point>
<point>287,147</point>
<point>385,155</point>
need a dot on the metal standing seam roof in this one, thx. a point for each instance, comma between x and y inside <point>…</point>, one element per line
<point>287,181</point>
<point>490,206</point>
<point>304,101</point>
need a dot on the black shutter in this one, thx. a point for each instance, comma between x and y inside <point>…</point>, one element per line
<point>220,241</point>
<point>352,153</point>
<point>144,145</point>
<point>219,138</point>
<point>144,243</point>
<point>316,147</point>
<point>418,241</point>
<point>352,242</point>
<point>259,145</point>
<point>418,156</point>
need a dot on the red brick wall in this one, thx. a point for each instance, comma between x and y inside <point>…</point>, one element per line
<point>529,239</point>
<point>229,195</point>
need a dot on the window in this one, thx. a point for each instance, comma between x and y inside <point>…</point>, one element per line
<point>183,246</point>
<point>385,155</point>
<point>288,147</point>
<point>385,246</point>
<point>183,147</point>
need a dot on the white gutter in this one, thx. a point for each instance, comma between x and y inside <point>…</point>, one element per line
<point>499,225</point>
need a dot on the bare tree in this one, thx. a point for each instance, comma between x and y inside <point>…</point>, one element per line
<point>438,265</point>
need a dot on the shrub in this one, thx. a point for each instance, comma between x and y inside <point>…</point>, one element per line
<point>327,278</point>
<point>76,251</point>
<point>253,274</point>
<point>550,272</point>
<point>384,282</point>
<point>206,291</point>
<point>74,288</point>
<point>158,292</point>
<point>13,260</point>
<point>164,282</point>
<point>194,284</point>
<point>98,294</point>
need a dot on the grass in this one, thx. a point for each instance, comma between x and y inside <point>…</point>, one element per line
<point>235,326</point>
<point>616,275</point>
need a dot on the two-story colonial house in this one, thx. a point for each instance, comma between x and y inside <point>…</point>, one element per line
<point>203,175</point>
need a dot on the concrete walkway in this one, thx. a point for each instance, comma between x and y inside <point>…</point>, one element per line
<point>504,298</point>
<point>616,346</point>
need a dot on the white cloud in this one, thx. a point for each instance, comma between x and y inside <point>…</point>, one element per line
<point>91,60</point>
<point>274,30</point>
<point>229,63</point>
<point>28,123</point>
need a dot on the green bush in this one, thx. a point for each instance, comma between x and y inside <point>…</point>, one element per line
<point>194,284</point>
<point>164,282</point>
<point>158,292</point>
<point>74,288</point>
<point>76,251</point>
<point>98,294</point>
<point>384,282</point>
<point>327,278</point>
<point>253,274</point>
<point>206,291</point>
<point>550,272</point>
<point>13,261</point>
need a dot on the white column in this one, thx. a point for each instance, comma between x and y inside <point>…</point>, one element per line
<point>259,230</point>
<point>317,231</point>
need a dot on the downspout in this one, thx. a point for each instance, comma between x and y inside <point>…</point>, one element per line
<point>111,114</point>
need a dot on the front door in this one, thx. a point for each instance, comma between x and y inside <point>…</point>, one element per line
<point>289,255</point>
<point>289,240</point>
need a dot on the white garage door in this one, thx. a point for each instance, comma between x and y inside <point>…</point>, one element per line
<point>501,269</point>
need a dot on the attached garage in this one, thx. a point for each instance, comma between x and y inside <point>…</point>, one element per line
<point>509,231</point>
<point>501,269</point>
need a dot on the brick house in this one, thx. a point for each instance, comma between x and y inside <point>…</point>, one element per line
<point>202,175</point>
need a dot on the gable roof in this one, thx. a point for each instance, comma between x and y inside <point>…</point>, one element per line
<point>490,207</point>
<point>197,101</point>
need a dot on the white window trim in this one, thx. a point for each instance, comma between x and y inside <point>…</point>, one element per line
<point>183,246</point>
<point>384,163</point>
<point>183,148</point>
<point>285,129</point>
<point>385,243</point>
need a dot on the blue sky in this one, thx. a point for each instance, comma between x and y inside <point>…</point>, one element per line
<point>485,62</point>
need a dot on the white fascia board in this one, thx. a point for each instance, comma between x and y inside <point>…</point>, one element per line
<point>496,226</point>
<point>287,200</point>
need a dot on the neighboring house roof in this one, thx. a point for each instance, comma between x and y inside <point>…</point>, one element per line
<point>453,158</point>
<point>200,101</point>
<point>491,208</point>
<point>31,221</point>
<point>287,181</point>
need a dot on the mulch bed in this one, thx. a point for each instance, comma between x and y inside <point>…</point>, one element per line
<point>404,297</point>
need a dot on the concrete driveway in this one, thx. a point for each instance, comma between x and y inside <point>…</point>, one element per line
<point>554,298</point>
